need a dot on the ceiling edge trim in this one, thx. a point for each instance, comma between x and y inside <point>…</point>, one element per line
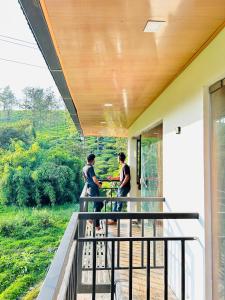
<point>36,20</point>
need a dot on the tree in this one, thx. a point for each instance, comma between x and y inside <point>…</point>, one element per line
<point>21,131</point>
<point>39,101</point>
<point>36,176</point>
<point>7,98</point>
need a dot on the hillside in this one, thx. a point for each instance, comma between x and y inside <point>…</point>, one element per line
<point>40,184</point>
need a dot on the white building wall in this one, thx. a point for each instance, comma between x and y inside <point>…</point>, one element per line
<point>182,104</point>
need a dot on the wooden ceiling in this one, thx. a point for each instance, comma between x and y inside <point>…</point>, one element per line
<point>107,58</point>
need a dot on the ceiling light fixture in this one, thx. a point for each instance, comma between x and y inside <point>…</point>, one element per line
<point>153,25</point>
<point>102,122</point>
<point>108,104</point>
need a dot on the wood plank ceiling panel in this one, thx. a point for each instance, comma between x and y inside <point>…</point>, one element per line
<point>107,58</point>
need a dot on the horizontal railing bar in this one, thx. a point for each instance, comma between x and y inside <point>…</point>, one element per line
<point>124,199</point>
<point>100,288</point>
<point>108,180</point>
<point>137,239</point>
<point>137,215</point>
<point>121,268</point>
<point>109,188</point>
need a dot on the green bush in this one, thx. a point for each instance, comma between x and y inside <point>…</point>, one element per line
<point>37,176</point>
<point>7,228</point>
<point>21,131</point>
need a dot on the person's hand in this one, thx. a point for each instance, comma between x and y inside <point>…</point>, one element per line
<point>109,177</point>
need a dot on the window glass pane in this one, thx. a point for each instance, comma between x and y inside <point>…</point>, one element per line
<point>218,191</point>
<point>151,167</point>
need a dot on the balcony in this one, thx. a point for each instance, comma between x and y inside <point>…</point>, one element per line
<point>127,261</point>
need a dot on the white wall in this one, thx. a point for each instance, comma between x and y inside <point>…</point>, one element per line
<point>181,104</point>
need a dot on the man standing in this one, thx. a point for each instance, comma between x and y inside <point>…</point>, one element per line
<point>93,184</point>
<point>124,187</point>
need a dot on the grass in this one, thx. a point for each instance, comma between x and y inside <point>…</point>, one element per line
<point>28,240</point>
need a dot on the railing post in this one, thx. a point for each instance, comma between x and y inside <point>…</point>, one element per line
<point>81,233</point>
<point>142,243</point>
<point>75,270</point>
<point>118,243</point>
<point>165,270</point>
<point>183,270</point>
<point>106,244</point>
<point>112,271</point>
<point>148,271</point>
<point>94,271</point>
<point>130,228</point>
<point>154,244</point>
<point>130,269</point>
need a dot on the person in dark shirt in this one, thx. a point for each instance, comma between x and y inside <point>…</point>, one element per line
<point>124,187</point>
<point>93,184</point>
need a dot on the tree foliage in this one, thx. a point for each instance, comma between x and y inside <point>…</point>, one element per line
<point>37,176</point>
<point>22,131</point>
<point>7,99</point>
<point>39,102</point>
<point>41,155</point>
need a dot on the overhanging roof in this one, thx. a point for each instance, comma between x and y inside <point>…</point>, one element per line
<point>100,55</point>
<point>38,25</point>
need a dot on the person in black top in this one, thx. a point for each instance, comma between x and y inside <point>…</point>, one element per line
<point>93,184</point>
<point>124,187</point>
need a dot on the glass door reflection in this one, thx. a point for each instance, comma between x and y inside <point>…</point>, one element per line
<point>151,167</point>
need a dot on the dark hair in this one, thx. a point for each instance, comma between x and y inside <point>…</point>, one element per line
<point>122,156</point>
<point>90,157</point>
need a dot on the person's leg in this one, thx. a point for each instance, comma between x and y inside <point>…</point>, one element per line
<point>97,205</point>
<point>117,205</point>
<point>122,192</point>
<point>97,208</point>
<point>120,203</point>
<point>114,206</point>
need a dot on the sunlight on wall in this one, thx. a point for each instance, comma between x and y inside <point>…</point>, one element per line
<point>181,104</point>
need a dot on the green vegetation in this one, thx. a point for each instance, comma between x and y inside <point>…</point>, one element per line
<point>35,175</point>
<point>41,157</point>
<point>28,240</point>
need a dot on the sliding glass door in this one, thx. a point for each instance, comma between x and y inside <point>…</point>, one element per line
<point>218,188</point>
<point>151,167</point>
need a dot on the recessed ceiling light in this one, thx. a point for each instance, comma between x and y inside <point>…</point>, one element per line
<point>102,122</point>
<point>153,25</point>
<point>108,104</point>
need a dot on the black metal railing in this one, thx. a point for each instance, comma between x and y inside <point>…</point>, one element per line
<point>85,200</point>
<point>130,267</point>
<point>85,252</point>
<point>113,243</point>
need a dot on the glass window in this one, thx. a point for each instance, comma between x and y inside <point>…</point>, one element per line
<point>218,188</point>
<point>151,167</point>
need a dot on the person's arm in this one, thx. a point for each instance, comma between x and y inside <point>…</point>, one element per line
<point>126,171</point>
<point>113,178</point>
<point>126,179</point>
<point>96,181</point>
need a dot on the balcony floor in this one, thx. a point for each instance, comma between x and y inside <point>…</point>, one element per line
<point>122,276</point>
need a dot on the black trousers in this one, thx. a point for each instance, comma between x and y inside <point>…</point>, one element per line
<point>98,205</point>
<point>97,208</point>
